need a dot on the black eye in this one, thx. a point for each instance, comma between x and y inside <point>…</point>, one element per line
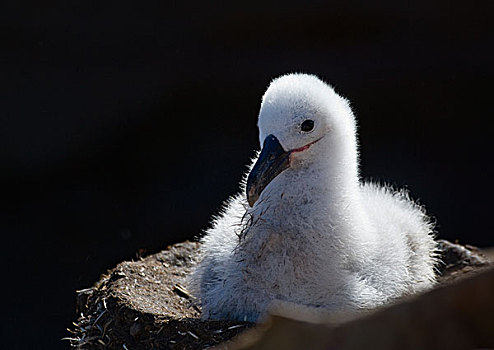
<point>307,125</point>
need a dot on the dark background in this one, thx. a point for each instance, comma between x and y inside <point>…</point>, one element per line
<point>125,125</point>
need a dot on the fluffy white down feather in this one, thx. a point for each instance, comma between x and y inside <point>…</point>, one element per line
<point>317,236</point>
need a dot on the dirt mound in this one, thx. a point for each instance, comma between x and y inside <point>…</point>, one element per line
<point>143,304</point>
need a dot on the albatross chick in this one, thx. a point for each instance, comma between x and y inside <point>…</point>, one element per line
<point>305,229</point>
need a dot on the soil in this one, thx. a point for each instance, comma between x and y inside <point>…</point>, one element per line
<point>144,304</point>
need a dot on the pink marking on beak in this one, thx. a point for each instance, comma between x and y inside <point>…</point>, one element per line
<point>303,148</point>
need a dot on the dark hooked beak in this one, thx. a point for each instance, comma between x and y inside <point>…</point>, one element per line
<point>272,161</point>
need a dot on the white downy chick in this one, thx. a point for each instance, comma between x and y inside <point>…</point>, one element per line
<point>305,230</point>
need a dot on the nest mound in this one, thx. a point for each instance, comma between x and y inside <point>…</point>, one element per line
<point>143,304</point>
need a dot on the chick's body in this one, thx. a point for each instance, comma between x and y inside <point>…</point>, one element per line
<point>309,232</point>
